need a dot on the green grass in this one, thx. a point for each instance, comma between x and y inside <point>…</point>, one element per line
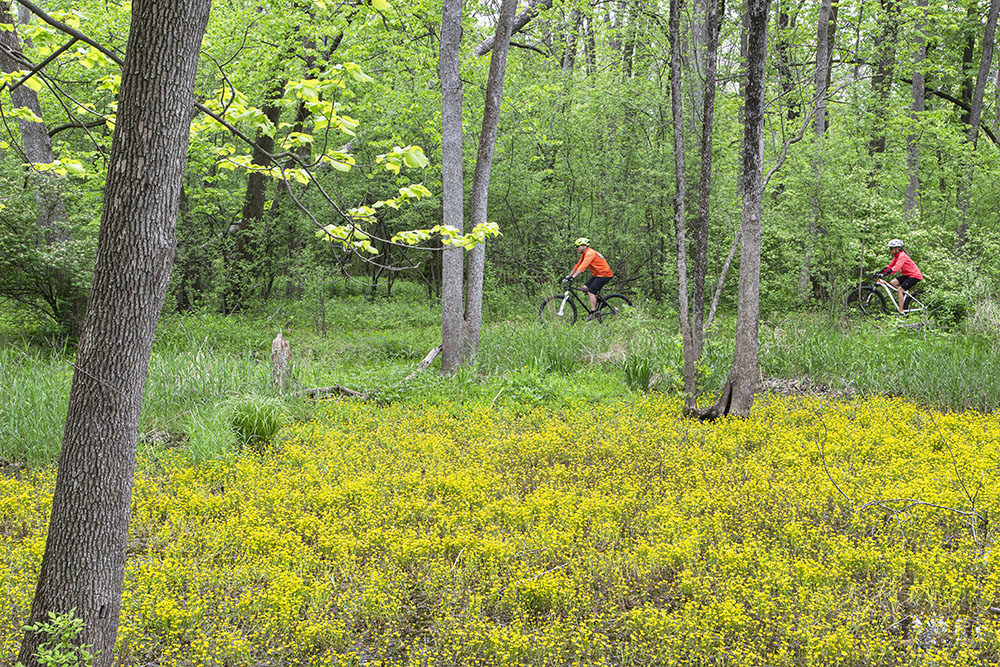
<point>202,363</point>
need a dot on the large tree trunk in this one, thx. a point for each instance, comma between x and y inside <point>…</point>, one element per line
<point>481,177</point>
<point>452,261</point>
<point>919,96</point>
<point>84,561</point>
<point>975,117</point>
<point>737,395</point>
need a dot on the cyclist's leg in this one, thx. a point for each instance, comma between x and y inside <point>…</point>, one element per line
<point>593,287</point>
<point>900,294</point>
<point>906,283</point>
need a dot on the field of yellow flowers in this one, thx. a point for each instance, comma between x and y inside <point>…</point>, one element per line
<point>814,533</point>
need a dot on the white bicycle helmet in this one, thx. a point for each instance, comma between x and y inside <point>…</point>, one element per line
<point>895,243</point>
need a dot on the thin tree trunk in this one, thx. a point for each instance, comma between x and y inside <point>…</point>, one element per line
<point>705,182</point>
<point>680,195</point>
<point>882,80</point>
<point>51,213</point>
<point>481,178</point>
<point>786,23</point>
<point>912,140</point>
<point>452,261</point>
<point>976,114</point>
<point>520,21</point>
<point>68,301</point>
<point>84,561</point>
<point>738,393</point>
<point>824,56</point>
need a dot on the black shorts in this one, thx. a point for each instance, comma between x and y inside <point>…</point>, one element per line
<point>906,282</point>
<point>596,283</point>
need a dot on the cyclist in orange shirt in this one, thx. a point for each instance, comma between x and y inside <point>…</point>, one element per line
<point>598,266</point>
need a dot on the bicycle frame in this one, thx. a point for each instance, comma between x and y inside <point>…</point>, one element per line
<point>573,291</point>
<point>911,303</point>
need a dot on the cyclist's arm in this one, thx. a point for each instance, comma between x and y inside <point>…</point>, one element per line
<point>585,260</point>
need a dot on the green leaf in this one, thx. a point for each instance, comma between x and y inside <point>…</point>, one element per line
<point>24,113</point>
<point>34,84</point>
<point>380,5</point>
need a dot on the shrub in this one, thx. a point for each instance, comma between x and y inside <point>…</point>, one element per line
<point>638,370</point>
<point>256,419</point>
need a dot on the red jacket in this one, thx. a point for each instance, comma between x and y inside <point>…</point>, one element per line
<point>902,263</point>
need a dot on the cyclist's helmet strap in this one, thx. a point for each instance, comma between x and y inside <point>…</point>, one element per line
<point>895,243</point>
<point>583,240</point>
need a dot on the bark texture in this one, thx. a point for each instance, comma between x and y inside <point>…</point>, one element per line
<point>84,560</point>
<point>976,114</point>
<point>738,393</point>
<point>452,261</point>
<point>51,213</point>
<point>680,195</point>
<point>481,177</point>
<point>919,96</point>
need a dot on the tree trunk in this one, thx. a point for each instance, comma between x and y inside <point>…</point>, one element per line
<point>976,115</point>
<point>520,21</point>
<point>244,260</point>
<point>912,146</point>
<point>786,24</point>
<point>452,324</point>
<point>824,57</point>
<point>67,299</point>
<point>882,79</point>
<point>84,560</point>
<point>51,213</point>
<point>481,177</point>
<point>680,195</point>
<point>711,52</point>
<point>737,395</point>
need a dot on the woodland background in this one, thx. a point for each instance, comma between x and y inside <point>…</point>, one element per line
<point>583,148</point>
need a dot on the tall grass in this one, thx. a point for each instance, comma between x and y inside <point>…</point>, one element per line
<point>34,393</point>
<point>202,362</point>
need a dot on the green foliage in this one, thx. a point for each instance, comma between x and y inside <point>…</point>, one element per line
<point>61,644</point>
<point>256,419</point>
<point>639,370</point>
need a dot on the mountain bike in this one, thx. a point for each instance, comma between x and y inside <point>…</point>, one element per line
<point>563,307</point>
<point>879,300</point>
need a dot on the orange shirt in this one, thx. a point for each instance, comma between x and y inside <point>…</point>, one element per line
<point>593,260</point>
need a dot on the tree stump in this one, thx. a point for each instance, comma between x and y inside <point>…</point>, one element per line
<point>281,351</point>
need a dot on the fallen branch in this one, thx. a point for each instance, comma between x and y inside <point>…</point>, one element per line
<point>321,392</point>
<point>425,364</point>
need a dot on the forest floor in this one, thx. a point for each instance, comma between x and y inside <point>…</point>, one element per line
<point>615,533</point>
<point>548,505</point>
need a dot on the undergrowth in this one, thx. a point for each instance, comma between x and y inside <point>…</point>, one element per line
<point>456,534</point>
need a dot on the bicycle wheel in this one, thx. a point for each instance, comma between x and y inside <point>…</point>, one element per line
<point>873,304</point>
<point>865,301</point>
<point>553,311</point>
<point>614,306</point>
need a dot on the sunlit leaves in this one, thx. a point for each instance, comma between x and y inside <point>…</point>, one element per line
<point>26,114</point>
<point>411,156</point>
<point>62,167</point>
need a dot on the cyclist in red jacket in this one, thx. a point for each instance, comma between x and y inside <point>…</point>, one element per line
<point>902,264</point>
<point>599,267</point>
